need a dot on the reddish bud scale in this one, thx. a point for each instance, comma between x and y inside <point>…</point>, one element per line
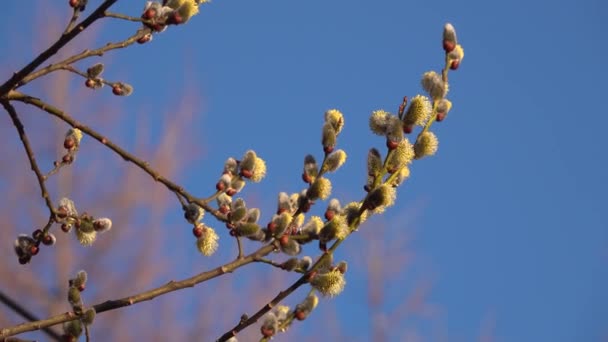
<point>329,214</point>
<point>69,143</point>
<point>306,178</point>
<point>230,225</point>
<point>224,209</point>
<point>391,144</point>
<point>68,338</point>
<point>455,64</point>
<point>440,117</point>
<point>157,27</point>
<point>328,149</point>
<point>246,173</point>
<point>47,240</point>
<point>62,212</point>
<point>281,210</point>
<point>197,231</point>
<point>284,240</point>
<point>81,287</point>
<point>231,192</point>
<point>74,3</point>
<point>65,228</point>
<point>267,332</point>
<point>89,83</point>
<point>233,232</point>
<point>407,129</point>
<point>448,46</point>
<point>175,19</point>
<point>300,315</point>
<point>149,14</point>
<point>220,186</point>
<point>67,159</point>
<point>310,276</point>
<point>117,90</point>
<point>144,39</point>
<point>271,227</point>
<point>34,250</point>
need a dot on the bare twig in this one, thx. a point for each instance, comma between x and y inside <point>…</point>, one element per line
<point>14,95</point>
<point>83,74</point>
<point>143,296</point>
<point>240,246</point>
<point>123,17</point>
<point>276,300</point>
<point>85,54</point>
<point>30,155</point>
<point>52,50</point>
<point>277,265</point>
<point>75,14</point>
<point>23,312</point>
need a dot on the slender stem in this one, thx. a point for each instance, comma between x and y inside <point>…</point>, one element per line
<point>23,312</point>
<point>83,74</point>
<point>75,14</point>
<point>85,54</point>
<point>53,49</point>
<point>122,16</point>
<point>143,296</point>
<point>278,265</point>
<point>178,190</point>
<point>30,155</point>
<point>86,333</point>
<point>240,246</point>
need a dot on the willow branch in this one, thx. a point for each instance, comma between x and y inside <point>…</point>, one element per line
<point>75,14</point>
<point>85,54</point>
<point>23,312</point>
<point>123,17</point>
<point>145,166</point>
<point>143,296</point>
<point>53,49</point>
<point>30,155</point>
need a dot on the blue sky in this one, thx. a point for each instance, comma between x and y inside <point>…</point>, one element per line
<point>509,217</point>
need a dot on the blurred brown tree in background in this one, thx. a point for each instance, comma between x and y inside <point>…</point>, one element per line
<point>128,260</point>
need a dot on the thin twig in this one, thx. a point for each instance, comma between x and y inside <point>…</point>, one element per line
<point>14,95</point>
<point>30,155</point>
<point>123,17</point>
<point>278,265</point>
<point>83,74</point>
<point>143,296</point>
<point>87,335</point>
<point>23,312</point>
<point>75,14</point>
<point>52,50</point>
<point>240,245</point>
<point>85,54</point>
<point>276,300</point>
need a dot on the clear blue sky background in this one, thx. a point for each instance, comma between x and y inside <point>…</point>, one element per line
<point>512,220</point>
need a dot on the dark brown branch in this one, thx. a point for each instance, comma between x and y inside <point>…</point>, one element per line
<point>30,155</point>
<point>23,312</point>
<point>143,296</point>
<point>53,49</point>
<point>14,95</point>
<point>276,300</point>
